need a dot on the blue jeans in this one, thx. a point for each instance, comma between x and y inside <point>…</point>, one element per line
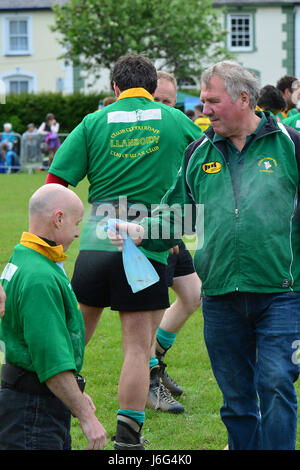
<point>33,422</point>
<point>252,342</point>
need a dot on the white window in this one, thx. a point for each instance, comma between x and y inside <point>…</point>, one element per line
<point>17,35</point>
<point>18,85</point>
<point>18,81</point>
<point>240,37</point>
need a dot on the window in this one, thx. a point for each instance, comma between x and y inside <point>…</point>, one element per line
<point>17,34</point>
<point>240,36</point>
<point>18,81</point>
<point>187,82</point>
<point>18,86</point>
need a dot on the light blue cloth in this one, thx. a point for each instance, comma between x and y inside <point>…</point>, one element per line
<point>139,271</point>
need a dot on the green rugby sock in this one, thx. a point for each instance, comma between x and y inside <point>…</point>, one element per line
<point>138,416</point>
<point>165,338</point>
<point>153,361</point>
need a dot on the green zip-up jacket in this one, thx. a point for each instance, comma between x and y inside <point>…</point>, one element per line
<point>251,243</point>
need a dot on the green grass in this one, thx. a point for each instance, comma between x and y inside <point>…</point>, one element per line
<point>200,426</point>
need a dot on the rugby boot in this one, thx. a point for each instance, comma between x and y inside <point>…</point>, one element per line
<point>128,435</point>
<point>159,397</point>
<point>167,381</point>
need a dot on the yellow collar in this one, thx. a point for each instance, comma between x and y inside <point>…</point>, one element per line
<point>134,93</point>
<point>54,253</point>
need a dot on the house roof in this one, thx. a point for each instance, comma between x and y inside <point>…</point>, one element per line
<point>251,2</point>
<point>46,4</point>
<point>29,4</point>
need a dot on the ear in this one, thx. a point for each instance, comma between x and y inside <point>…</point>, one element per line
<point>245,99</point>
<point>58,217</point>
<point>116,89</point>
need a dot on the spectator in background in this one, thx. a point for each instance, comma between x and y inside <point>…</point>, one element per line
<point>11,160</point>
<point>190,114</point>
<point>271,99</point>
<point>31,141</point>
<point>8,136</point>
<point>284,84</point>
<point>108,100</point>
<point>2,163</point>
<point>202,121</point>
<point>50,128</point>
<point>294,120</point>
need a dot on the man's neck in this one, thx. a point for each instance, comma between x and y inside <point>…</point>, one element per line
<point>239,139</point>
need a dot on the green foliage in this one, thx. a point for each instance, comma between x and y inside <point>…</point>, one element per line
<point>69,110</point>
<point>184,36</point>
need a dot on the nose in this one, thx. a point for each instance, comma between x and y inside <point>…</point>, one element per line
<point>207,109</point>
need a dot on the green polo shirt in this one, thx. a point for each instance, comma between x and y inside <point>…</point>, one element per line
<point>235,158</point>
<point>42,329</point>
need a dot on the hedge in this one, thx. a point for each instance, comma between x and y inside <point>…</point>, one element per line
<point>69,110</point>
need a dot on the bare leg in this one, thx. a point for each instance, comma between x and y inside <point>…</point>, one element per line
<point>91,317</point>
<point>188,290</point>
<point>138,330</point>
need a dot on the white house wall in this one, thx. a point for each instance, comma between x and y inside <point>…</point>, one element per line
<point>43,64</point>
<point>268,57</point>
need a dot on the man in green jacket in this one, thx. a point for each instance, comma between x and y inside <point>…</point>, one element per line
<point>243,177</point>
<point>43,334</point>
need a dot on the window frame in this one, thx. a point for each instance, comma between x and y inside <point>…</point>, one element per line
<point>19,75</point>
<point>7,19</point>
<point>239,15</point>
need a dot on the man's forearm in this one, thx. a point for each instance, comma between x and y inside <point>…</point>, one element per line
<point>64,387</point>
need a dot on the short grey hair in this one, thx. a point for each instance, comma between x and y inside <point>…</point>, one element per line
<point>236,80</point>
<point>167,76</point>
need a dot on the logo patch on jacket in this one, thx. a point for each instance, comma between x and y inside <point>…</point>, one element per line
<point>267,165</point>
<point>212,167</point>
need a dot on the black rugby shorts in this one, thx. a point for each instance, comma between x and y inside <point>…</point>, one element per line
<point>179,265</point>
<point>99,280</point>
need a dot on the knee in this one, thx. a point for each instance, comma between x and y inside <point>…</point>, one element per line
<point>189,304</point>
<point>277,380</point>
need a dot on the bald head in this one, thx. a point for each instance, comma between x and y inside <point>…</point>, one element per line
<point>54,213</point>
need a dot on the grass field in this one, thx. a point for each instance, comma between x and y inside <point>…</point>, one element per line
<point>200,426</point>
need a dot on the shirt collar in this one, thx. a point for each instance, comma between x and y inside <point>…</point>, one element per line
<point>54,253</point>
<point>135,93</point>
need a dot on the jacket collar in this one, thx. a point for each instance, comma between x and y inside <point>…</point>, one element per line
<point>54,253</point>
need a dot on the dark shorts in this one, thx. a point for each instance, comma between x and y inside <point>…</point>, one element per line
<point>179,265</point>
<point>99,280</point>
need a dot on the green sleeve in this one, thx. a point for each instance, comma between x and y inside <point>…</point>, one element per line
<point>71,162</point>
<point>45,330</point>
<point>172,218</point>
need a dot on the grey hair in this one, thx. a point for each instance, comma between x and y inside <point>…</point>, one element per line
<point>167,76</point>
<point>236,80</point>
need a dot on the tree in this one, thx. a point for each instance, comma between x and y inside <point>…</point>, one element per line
<point>183,36</point>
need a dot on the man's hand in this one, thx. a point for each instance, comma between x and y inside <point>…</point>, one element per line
<point>64,386</point>
<point>135,231</point>
<point>174,250</point>
<point>2,301</point>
